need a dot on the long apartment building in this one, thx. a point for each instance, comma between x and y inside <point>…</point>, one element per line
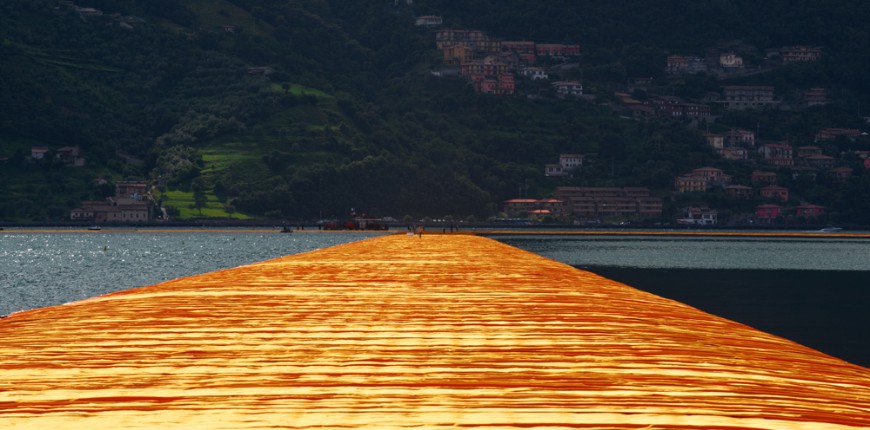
<point>741,97</point>
<point>129,205</point>
<point>603,202</point>
<point>474,39</point>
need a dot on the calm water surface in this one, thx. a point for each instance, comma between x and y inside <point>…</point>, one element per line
<point>46,269</point>
<point>658,252</point>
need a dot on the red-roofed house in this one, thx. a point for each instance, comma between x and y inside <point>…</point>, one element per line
<point>738,191</point>
<point>809,210</point>
<point>485,67</point>
<point>713,175</point>
<point>833,133</point>
<point>763,177</point>
<point>517,206</point>
<point>502,84</point>
<point>525,50</point>
<point>820,161</point>
<point>553,206</point>
<point>806,151</point>
<point>594,202</point>
<point>556,50</point>
<point>774,192</point>
<point>768,212</point>
<point>691,184</point>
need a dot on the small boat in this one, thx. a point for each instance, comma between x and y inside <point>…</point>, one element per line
<point>286,229</point>
<point>830,230</point>
<point>95,228</point>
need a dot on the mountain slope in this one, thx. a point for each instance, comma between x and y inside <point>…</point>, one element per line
<point>310,108</point>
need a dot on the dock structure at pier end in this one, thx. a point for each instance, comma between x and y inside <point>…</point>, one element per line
<point>410,332</point>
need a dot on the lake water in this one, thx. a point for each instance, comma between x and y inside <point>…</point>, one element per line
<point>814,291</point>
<point>46,269</point>
<point>700,252</point>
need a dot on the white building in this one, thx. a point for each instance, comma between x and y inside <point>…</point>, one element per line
<point>568,88</point>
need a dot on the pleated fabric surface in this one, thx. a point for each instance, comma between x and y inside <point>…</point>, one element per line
<point>408,332</point>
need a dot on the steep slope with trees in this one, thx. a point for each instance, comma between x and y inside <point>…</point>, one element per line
<point>312,107</point>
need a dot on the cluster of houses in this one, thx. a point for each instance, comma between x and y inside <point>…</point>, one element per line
<point>491,64</point>
<point>589,204</point>
<point>729,61</point>
<point>740,145</point>
<point>131,204</point>
<point>731,97</point>
<point>808,161</point>
<point>585,203</point>
<point>592,204</point>
<point>764,186</point>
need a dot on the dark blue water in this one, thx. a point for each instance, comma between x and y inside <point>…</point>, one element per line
<point>825,310</point>
<point>815,292</point>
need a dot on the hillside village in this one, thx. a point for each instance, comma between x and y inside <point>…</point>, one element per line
<point>720,104</point>
<point>493,66</point>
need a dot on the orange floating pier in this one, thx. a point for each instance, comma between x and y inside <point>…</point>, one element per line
<point>404,332</point>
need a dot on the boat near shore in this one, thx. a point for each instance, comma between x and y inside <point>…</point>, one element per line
<point>830,230</point>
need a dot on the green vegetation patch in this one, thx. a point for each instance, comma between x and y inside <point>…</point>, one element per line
<point>217,13</point>
<point>184,203</point>
<point>220,158</point>
<point>298,90</point>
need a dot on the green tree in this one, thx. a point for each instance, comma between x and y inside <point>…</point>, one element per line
<point>199,196</point>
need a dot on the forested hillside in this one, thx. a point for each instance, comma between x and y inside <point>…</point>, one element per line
<point>305,109</point>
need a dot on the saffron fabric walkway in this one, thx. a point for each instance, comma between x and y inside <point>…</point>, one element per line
<point>431,332</point>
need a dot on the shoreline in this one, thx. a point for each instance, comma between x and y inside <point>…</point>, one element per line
<point>477,231</point>
<point>462,225</point>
